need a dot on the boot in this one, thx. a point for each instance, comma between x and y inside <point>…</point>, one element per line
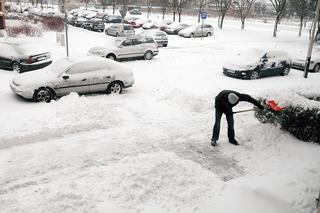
<point>213,143</point>
<point>234,142</point>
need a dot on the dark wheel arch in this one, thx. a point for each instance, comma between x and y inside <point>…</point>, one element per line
<point>51,94</point>
<point>16,63</point>
<point>315,66</point>
<point>111,55</point>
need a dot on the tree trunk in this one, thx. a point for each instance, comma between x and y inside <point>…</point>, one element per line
<point>179,14</point>
<point>275,29</point>
<point>163,13</point>
<point>113,8</point>
<point>199,14</point>
<point>242,24</point>
<point>174,15</point>
<point>221,21</point>
<point>219,18</point>
<point>301,23</point>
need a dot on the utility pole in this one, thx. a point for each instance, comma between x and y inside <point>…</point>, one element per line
<point>311,42</point>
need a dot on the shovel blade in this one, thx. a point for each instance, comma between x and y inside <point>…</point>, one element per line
<point>274,106</point>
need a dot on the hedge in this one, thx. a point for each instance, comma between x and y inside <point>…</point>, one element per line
<point>301,117</point>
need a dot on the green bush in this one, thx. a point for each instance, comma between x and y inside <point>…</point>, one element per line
<point>302,122</point>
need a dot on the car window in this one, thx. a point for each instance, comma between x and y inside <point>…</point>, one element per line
<point>82,67</point>
<point>127,42</point>
<point>128,28</point>
<point>160,34</point>
<point>147,40</point>
<point>137,41</point>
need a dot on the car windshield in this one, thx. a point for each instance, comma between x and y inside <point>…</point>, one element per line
<point>57,67</point>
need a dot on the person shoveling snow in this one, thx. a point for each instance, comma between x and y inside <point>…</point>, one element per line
<point>224,102</point>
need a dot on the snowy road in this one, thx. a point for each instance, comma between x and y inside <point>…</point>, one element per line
<point>148,149</point>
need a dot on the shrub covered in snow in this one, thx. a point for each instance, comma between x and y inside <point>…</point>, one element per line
<point>54,23</point>
<point>301,116</point>
<point>24,29</point>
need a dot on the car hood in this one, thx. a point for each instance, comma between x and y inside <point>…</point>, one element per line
<point>34,78</point>
<point>239,67</point>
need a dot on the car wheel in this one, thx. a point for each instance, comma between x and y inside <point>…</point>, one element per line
<point>285,71</point>
<point>111,57</point>
<point>191,35</point>
<point>43,94</point>
<point>117,35</point>
<point>254,75</point>
<point>208,34</point>
<point>165,45</point>
<point>16,67</point>
<point>114,88</point>
<point>148,55</point>
<point>316,68</point>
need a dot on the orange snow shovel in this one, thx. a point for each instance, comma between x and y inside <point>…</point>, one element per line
<point>274,106</point>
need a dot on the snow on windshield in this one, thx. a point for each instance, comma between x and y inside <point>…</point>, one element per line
<point>59,66</point>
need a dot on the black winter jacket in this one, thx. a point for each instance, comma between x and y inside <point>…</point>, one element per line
<point>222,103</point>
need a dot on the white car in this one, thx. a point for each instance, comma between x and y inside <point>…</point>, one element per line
<point>299,63</point>
<point>131,47</point>
<point>197,31</point>
<point>81,75</point>
<point>159,36</point>
<point>156,24</point>
<point>175,27</point>
<point>123,30</point>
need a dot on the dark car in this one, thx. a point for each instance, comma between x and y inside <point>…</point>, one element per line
<point>272,63</point>
<point>113,19</point>
<point>22,57</point>
<point>94,24</point>
<point>135,12</point>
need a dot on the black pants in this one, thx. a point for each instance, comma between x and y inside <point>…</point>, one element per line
<point>216,128</point>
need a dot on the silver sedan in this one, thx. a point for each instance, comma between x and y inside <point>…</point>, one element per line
<point>84,75</point>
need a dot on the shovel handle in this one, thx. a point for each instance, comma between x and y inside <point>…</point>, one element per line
<point>246,110</point>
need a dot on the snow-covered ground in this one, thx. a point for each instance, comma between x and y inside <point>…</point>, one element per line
<point>148,149</point>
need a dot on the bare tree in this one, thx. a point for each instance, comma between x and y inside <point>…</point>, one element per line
<point>244,8</point>
<point>301,8</point>
<point>149,8</point>
<point>222,9</point>
<point>164,4</point>
<point>124,7</point>
<point>173,5</point>
<point>279,6</point>
<point>180,6</point>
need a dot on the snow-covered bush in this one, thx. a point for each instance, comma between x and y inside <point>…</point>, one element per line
<point>301,116</point>
<point>24,29</point>
<point>53,23</point>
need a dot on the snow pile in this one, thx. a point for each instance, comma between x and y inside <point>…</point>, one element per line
<point>162,177</point>
<point>70,114</point>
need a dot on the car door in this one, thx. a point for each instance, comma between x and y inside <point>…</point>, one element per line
<point>126,49</point>
<point>101,76</point>
<point>75,79</point>
<point>138,47</point>
<point>267,67</point>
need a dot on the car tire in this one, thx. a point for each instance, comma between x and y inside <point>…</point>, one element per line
<point>165,45</point>
<point>43,94</point>
<point>208,34</point>
<point>111,57</point>
<point>191,35</point>
<point>148,55</point>
<point>285,71</point>
<point>16,67</point>
<point>114,87</point>
<point>254,75</point>
<point>316,68</point>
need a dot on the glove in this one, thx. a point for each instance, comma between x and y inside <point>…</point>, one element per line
<point>261,107</point>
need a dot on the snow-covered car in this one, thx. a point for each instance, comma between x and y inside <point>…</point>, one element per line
<point>130,19</point>
<point>80,21</point>
<point>123,30</point>
<point>139,22</point>
<point>197,31</point>
<point>159,36</point>
<point>135,12</point>
<point>66,75</point>
<point>299,64</point>
<point>272,63</point>
<point>131,47</point>
<point>156,24</point>
<point>174,28</point>
<point>113,19</point>
<point>94,24</point>
<point>23,57</point>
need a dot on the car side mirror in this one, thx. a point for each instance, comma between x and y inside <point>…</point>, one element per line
<point>65,77</point>
<point>264,60</point>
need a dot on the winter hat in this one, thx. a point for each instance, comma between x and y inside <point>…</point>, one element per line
<point>232,98</point>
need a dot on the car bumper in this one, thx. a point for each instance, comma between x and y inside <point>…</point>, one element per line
<point>19,91</point>
<point>128,84</point>
<point>236,74</point>
<point>34,66</point>
<point>161,43</point>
